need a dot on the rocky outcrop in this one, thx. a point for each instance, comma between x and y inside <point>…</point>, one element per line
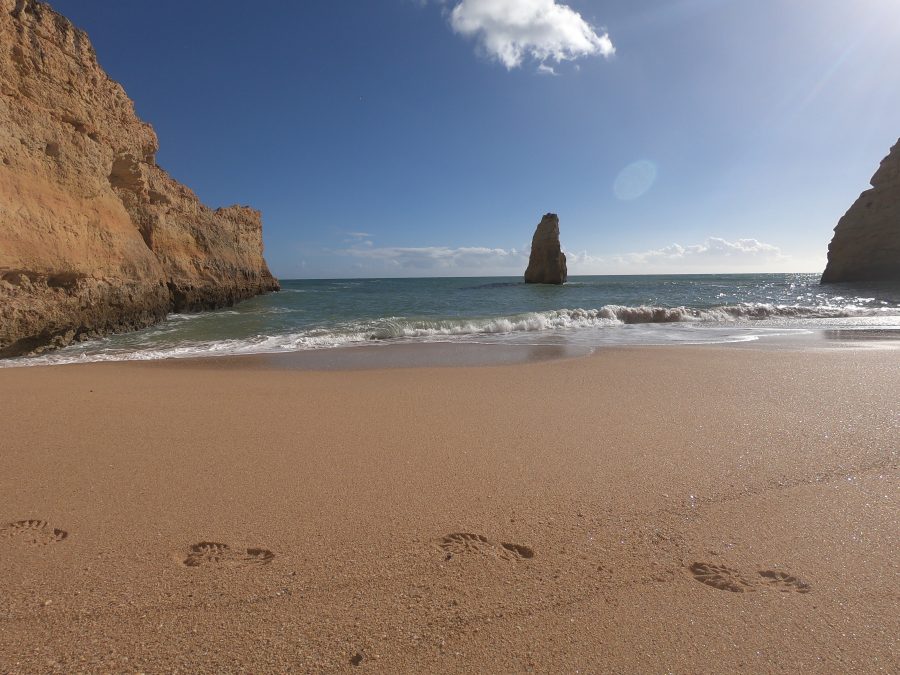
<point>866,243</point>
<point>94,236</point>
<point>547,263</point>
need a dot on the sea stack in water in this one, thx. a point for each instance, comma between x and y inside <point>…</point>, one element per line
<point>547,264</point>
<point>866,243</point>
<point>94,236</point>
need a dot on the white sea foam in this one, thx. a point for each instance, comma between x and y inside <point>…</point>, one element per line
<point>563,323</point>
<point>200,315</point>
<point>613,315</point>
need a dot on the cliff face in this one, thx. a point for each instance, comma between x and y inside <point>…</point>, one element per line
<point>94,236</point>
<point>866,243</point>
<point>547,263</point>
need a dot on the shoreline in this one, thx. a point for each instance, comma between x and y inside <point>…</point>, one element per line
<point>615,502</point>
<point>501,320</point>
<point>456,354</point>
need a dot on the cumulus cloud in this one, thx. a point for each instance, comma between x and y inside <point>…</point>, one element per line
<point>512,31</point>
<point>441,258</point>
<point>714,248</point>
<point>713,254</point>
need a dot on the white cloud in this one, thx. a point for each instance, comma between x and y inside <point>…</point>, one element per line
<point>358,238</point>
<point>512,31</point>
<point>715,254</point>
<point>477,259</point>
<point>714,248</point>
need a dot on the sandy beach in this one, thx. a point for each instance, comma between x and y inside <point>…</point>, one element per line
<point>653,510</point>
<point>449,337</point>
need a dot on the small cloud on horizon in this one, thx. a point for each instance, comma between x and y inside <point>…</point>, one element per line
<point>358,238</point>
<point>715,254</point>
<point>437,258</point>
<point>513,31</point>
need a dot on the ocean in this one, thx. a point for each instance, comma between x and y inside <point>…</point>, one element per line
<point>587,312</point>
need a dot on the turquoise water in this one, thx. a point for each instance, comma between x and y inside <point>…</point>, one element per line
<point>587,311</point>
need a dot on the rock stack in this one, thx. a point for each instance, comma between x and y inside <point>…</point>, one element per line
<point>866,243</point>
<point>547,263</point>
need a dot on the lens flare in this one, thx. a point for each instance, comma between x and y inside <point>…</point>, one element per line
<point>635,180</point>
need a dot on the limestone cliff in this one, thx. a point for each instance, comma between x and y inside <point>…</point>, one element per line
<point>866,243</point>
<point>547,263</point>
<point>94,236</point>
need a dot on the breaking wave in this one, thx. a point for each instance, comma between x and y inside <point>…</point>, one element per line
<point>748,311</point>
<point>556,323</point>
<point>611,315</point>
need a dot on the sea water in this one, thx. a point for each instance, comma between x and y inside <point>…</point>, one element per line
<point>586,312</point>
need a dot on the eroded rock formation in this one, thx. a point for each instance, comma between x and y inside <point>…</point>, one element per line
<point>547,263</point>
<point>94,236</point>
<point>866,243</point>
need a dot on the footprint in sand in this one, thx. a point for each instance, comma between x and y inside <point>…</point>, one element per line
<point>784,582</point>
<point>461,543</point>
<point>720,577</point>
<point>216,554</point>
<point>36,532</point>
<point>726,579</point>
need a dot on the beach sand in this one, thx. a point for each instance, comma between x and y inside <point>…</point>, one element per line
<point>652,510</point>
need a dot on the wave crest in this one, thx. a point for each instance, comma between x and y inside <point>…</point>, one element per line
<point>404,328</point>
<point>608,315</point>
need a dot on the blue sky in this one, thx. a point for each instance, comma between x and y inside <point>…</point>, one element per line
<point>416,138</point>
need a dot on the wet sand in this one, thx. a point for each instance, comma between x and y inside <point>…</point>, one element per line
<point>688,509</point>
